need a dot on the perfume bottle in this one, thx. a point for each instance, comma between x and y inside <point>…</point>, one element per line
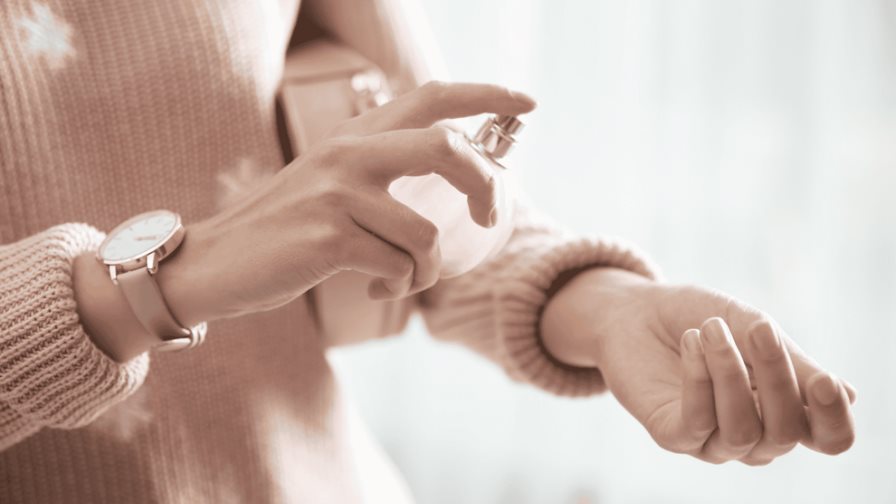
<point>465,244</point>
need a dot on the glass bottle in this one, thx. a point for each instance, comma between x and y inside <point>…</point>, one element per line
<point>465,244</point>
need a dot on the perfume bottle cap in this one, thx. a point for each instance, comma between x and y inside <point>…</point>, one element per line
<point>510,124</point>
<point>495,137</point>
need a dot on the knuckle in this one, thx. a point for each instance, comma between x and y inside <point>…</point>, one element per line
<point>447,143</point>
<point>434,89</point>
<point>332,194</point>
<point>427,235</point>
<point>332,242</point>
<point>405,265</point>
<point>332,151</point>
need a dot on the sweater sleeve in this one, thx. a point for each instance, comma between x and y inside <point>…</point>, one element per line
<point>51,374</point>
<point>496,308</point>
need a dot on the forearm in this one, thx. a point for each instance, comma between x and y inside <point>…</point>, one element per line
<point>570,307</point>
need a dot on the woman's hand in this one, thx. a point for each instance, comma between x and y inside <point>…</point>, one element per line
<point>330,210</point>
<point>706,374</point>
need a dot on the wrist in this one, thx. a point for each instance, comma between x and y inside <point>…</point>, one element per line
<point>579,316</point>
<point>184,280</point>
<point>104,312</point>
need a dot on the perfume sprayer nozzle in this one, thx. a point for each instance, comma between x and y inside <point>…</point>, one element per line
<point>496,136</point>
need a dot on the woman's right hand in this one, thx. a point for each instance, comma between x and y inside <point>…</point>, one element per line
<point>330,210</point>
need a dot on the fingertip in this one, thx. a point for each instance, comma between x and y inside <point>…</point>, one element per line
<point>484,215</point>
<point>824,388</point>
<point>690,342</point>
<point>715,332</point>
<point>831,424</point>
<point>526,101</point>
<point>377,290</point>
<point>850,391</point>
<point>384,289</point>
<point>760,326</point>
<point>493,217</point>
<point>764,341</point>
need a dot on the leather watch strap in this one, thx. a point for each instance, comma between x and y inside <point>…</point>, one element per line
<point>146,300</point>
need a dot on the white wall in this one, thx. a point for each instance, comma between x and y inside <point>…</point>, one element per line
<point>748,145</point>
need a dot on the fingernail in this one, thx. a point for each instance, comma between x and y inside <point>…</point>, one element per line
<point>523,97</point>
<point>691,342</point>
<point>826,390</point>
<point>715,332</point>
<point>493,217</point>
<point>765,341</point>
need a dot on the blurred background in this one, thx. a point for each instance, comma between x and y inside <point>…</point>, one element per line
<point>747,145</point>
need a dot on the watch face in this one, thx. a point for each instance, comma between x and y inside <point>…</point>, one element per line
<point>139,236</point>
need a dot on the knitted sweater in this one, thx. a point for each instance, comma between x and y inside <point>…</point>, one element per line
<point>111,108</point>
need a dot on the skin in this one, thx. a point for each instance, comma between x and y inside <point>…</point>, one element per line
<point>706,374</point>
<point>666,352</point>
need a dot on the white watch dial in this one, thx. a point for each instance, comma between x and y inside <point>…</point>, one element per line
<point>139,236</point>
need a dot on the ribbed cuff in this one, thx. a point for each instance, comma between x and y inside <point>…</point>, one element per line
<point>50,370</point>
<point>522,297</point>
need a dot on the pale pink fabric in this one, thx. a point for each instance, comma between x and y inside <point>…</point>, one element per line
<point>110,108</point>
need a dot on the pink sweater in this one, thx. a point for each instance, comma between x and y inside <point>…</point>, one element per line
<point>108,109</point>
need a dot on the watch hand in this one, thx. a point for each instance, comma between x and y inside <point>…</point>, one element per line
<point>144,238</point>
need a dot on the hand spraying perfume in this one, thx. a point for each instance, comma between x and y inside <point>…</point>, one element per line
<point>465,244</point>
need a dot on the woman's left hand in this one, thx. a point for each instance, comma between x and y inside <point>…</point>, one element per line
<point>705,374</point>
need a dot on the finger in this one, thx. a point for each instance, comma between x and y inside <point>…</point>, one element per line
<point>382,289</point>
<point>850,391</point>
<point>806,367</point>
<point>435,101</point>
<point>739,426</point>
<point>372,256</point>
<point>393,154</point>
<point>830,418</point>
<point>783,414</point>
<point>404,228</point>
<point>741,317</point>
<point>697,403</point>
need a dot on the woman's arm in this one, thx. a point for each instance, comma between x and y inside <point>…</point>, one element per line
<point>496,308</point>
<point>328,211</point>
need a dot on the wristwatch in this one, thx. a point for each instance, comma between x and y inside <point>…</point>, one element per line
<point>133,252</point>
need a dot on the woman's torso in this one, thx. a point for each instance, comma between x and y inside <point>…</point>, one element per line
<point>108,109</point>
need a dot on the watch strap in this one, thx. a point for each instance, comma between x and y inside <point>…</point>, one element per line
<point>148,304</point>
